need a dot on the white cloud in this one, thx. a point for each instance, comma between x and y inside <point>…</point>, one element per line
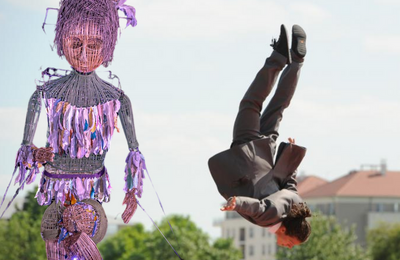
<point>35,5</point>
<point>222,19</point>
<point>191,18</point>
<point>310,12</point>
<point>383,44</point>
<point>388,2</point>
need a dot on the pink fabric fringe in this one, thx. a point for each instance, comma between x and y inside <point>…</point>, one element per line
<point>81,188</point>
<point>134,172</point>
<point>27,168</point>
<point>80,131</point>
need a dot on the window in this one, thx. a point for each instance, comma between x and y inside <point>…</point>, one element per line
<point>263,250</point>
<point>242,234</point>
<point>331,210</point>
<point>251,232</point>
<point>263,232</point>
<point>251,250</point>
<point>396,207</point>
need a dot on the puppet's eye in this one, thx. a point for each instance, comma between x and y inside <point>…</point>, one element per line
<point>76,43</point>
<point>94,45</point>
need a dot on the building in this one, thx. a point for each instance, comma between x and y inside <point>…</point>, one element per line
<point>255,242</point>
<point>361,198</point>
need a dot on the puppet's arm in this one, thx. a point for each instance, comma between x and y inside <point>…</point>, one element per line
<point>135,163</point>
<point>25,161</point>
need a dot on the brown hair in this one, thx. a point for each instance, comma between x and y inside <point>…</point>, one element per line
<point>296,224</point>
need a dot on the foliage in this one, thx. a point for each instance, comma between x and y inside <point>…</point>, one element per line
<point>384,242</point>
<point>328,241</point>
<point>128,243</point>
<point>189,241</point>
<point>20,235</point>
<point>20,239</point>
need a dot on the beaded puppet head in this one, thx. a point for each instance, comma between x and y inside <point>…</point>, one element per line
<point>86,31</point>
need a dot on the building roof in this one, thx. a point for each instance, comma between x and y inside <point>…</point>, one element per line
<point>357,184</point>
<point>308,183</point>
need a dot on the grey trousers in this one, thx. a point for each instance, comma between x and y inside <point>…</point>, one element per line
<point>248,124</point>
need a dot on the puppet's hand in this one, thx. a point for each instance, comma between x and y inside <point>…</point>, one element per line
<point>230,204</point>
<point>131,206</point>
<point>292,140</point>
<point>43,155</point>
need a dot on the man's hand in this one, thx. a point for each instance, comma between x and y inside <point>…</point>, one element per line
<point>43,155</point>
<point>131,205</point>
<point>292,140</point>
<point>230,205</point>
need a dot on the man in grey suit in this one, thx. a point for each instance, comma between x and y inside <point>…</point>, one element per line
<point>261,191</point>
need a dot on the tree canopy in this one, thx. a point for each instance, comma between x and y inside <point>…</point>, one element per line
<point>191,242</point>
<point>20,235</point>
<point>20,239</point>
<point>384,242</point>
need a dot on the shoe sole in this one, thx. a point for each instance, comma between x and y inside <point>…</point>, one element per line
<point>299,34</point>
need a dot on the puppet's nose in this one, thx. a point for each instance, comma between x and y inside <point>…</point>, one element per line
<point>83,54</point>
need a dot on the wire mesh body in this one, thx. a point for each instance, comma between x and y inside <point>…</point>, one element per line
<point>81,91</point>
<point>82,112</point>
<point>50,228</point>
<point>86,216</point>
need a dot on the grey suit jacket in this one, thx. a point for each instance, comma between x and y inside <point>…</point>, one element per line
<point>265,190</point>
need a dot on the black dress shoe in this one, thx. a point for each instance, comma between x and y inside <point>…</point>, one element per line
<point>299,41</point>
<point>282,45</point>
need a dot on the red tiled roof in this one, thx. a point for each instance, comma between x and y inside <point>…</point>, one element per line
<point>309,183</point>
<point>359,184</point>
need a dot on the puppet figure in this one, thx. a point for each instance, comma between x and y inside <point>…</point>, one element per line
<point>82,112</point>
<point>263,191</point>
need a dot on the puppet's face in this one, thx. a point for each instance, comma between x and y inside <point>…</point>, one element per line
<point>83,47</point>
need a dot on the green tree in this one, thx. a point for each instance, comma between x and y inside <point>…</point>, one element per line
<point>20,235</point>
<point>189,241</point>
<point>127,243</point>
<point>384,242</point>
<point>224,249</point>
<point>328,241</point>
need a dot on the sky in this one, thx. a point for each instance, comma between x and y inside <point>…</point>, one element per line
<point>185,68</point>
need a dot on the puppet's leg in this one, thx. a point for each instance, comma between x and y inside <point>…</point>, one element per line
<point>55,250</point>
<point>273,114</point>
<point>247,124</point>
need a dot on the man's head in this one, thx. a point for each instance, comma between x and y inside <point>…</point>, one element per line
<point>86,32</point>
<point>295,229</point>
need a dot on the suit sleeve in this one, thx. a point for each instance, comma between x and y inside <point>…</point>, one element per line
<point>251,207</point>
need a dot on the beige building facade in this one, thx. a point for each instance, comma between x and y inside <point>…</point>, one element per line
<point>255,242</point>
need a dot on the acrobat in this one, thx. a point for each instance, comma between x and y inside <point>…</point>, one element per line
<point>263,191</point>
